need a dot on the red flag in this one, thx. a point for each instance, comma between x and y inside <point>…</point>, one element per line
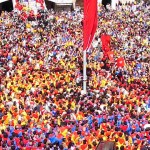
<point>120,62</point>
<point>105,42</point>
<point>111,56</point>
<point>90,22</point>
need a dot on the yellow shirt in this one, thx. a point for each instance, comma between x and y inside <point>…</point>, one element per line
<point>103,83</point>
<point>73,106</point>
<point>28,25</point>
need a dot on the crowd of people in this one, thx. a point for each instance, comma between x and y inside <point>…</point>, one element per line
<point>42,105</point>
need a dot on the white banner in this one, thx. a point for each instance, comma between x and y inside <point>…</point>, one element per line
<point>29,5</point>
<point>62,1</point>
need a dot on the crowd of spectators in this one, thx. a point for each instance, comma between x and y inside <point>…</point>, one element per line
<point>42,105</point>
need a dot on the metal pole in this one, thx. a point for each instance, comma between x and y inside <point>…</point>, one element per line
<point>84,71</point>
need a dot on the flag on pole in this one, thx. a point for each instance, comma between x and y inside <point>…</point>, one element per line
<point>89,22</point>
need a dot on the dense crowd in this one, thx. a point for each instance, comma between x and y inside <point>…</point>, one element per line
<point>42,105</point>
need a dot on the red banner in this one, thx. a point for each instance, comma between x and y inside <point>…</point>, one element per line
<point>89,22</point>
<point>105,42</point>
